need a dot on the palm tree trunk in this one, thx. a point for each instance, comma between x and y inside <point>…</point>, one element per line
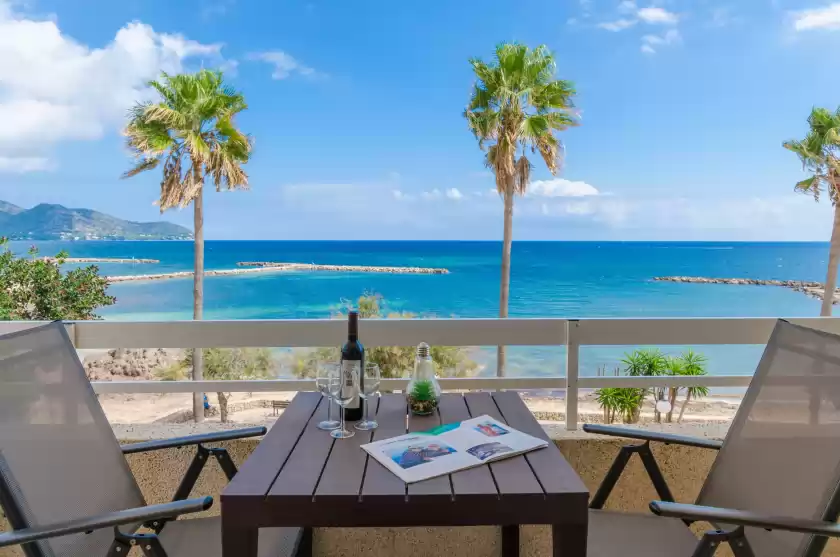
<point>684,404</point>
<point>198,294</point>
<point>833,255</point>
<point>505,286</point>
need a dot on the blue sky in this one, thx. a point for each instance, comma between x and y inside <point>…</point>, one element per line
<point>356,112</point>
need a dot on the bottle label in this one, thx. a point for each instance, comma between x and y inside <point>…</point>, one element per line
<point>349,369</point>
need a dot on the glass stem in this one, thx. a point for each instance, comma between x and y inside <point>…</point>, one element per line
<point>367,409</point>
<point>343,429</point>
<point>329,409</point>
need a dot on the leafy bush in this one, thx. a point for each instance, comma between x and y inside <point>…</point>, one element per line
<point>224,364</point>
<point>393,361</point>
<point>33,288</point>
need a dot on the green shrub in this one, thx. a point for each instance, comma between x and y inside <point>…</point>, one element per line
<point>393,361</point>
<point>33,288</point>
<point>224,364</point>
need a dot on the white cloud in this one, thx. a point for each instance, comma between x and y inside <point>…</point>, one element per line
<point>434,194</point>
<point>54,88</point>
<point>618,25</point>
<point>827,17</point>
<point>22,165</point>
<point>657,16</point>
<point>401,195</point>
<point>453,193</point>
<point>284,64</point>
<point>560,187</point>
<point>627,7</point>
<point>651,42</point>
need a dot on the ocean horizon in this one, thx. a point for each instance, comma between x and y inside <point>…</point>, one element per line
<point>548,279</point>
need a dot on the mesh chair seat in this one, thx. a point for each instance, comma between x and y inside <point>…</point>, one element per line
<point>613,534</point>
<point>202,537</point>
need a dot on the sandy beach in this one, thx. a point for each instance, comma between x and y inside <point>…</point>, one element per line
<point>256,408</point>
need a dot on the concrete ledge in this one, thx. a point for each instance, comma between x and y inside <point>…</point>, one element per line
<point>685,468</point>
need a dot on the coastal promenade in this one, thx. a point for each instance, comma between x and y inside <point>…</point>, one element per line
<point>267,267</point>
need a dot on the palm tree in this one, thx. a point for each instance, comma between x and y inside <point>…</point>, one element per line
<point>191,132</point>
<point>819,155</point>
<point>691,364</point>
<point>516,105</point>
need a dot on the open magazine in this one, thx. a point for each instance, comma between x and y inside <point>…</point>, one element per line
<point>426,454</point>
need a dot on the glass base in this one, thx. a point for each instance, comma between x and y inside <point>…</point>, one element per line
<point>341,433</point>
<point>367,425</point>
<point>328,425</point>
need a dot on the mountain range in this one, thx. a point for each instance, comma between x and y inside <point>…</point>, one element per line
<point>56,222</point>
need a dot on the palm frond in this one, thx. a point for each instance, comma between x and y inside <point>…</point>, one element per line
<point>142,166</point>
<point>522,175</point>
<point>517,101</point>
<point>818,153</point>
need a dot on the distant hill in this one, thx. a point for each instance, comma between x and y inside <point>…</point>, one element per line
<point>56,222</point>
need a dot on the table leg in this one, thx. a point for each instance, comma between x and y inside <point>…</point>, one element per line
<point>510,541</point>
<point>304,548</point>
<point>569,540</point>
<point>238,541</point>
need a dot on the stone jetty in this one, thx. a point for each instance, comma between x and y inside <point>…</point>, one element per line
<point>809,288</point>
<point>258,267</point>
<point>189,274</point>
<point>347,268</point>
<point>102,260</point>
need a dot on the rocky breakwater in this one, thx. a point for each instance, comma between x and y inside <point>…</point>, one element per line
<point>102,260</point>
<point>809,288</point>
<point>345,268</point>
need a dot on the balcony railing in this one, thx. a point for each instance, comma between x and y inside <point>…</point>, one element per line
<point>570,333</point>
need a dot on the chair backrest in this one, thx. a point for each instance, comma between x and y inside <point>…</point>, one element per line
<point>59,458</point>
<point>782,453</point>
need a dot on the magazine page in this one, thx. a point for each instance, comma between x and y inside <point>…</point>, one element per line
<point>422,455</point>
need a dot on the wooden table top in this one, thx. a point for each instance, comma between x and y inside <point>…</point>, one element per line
<point>300,476</point>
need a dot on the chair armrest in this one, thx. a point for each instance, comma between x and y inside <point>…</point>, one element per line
<point>667,438</point>
<point>192,440</point>
<point>745,518</point>
<point>118,518</point>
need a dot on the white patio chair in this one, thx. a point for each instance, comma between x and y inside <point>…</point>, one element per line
<point>65,485</point>
<point>774,487</point>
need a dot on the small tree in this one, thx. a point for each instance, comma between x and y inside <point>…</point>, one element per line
<point>648,362</point>
<point>692,364</point>
<point>224,364</point>
<point>33,288</point>
<point>393,361</point>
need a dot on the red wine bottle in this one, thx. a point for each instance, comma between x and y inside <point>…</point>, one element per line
<point>353,360</point>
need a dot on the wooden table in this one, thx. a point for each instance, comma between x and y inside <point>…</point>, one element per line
<point>300,476</point>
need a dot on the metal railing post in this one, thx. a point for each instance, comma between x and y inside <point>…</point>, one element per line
<point>572,375</point>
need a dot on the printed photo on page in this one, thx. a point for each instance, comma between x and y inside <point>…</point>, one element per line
<point>427,454</point>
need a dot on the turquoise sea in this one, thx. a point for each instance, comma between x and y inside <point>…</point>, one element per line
<point>558,279</point>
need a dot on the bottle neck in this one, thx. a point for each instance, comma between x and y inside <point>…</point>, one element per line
<point>353,327</point>
<point>424,368</point>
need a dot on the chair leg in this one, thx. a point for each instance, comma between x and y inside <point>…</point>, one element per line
<point>607,485</point>
<point>736,539</point>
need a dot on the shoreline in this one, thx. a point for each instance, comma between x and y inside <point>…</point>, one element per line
<point>809,288</point>
<point>267,267</point>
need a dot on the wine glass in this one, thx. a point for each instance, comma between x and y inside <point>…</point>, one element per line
<point>324,373</point>
<point>369,392</point>
<point>344,385</point>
